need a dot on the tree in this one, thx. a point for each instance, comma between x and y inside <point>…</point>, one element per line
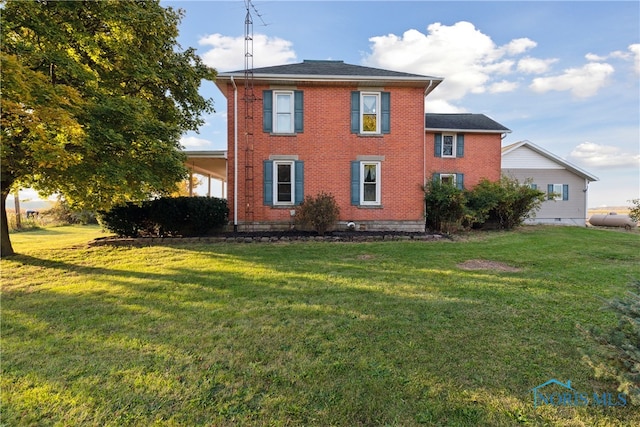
<point>634,211</point>
<point>95,96</point>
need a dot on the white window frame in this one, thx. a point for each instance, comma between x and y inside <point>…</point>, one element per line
<point>453,145</point>
<point>448,175</point>
<point>557,191</point>
<point>375,202</point>
<point>378,97</point>
<point>277,113</point>
<point>276,182</point>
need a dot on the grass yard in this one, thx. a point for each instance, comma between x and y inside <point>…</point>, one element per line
<point>307,333</point>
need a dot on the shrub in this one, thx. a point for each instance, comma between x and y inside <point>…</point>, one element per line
<point>618,358</point>
<point>61,213</point>
<point>167,216</point>
<point>634,211</point>
<point>445,206</point>
<point>319,213</point>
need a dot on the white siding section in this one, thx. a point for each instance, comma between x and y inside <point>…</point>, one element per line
<point>526,158</point>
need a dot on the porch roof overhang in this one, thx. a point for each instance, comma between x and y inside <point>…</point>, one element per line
<point>209,163</point>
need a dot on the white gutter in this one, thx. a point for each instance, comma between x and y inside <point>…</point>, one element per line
<point>235,155</point>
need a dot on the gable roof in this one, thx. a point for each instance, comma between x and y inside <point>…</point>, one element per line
<point>463,122</point>
<point>541,151</point>
<point>333,71</point>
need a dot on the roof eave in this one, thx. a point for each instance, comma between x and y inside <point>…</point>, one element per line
<point>332,78</point>
<point>468,130</point>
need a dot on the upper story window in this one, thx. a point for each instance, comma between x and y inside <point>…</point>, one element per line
<point>370,113</point>
<point>283,111</point>
<point>449,145</point>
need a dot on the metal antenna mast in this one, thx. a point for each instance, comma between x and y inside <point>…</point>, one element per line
<point>249,101</point>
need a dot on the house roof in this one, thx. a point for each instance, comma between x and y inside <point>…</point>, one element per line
<point>541,151</point>
<point>333,71</point>
<point>463,122</point>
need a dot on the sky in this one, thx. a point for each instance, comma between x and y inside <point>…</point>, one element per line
<point>563,75</point>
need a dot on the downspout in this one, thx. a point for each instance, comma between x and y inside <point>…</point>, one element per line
<point>586,204</point>
<point>235,155</point>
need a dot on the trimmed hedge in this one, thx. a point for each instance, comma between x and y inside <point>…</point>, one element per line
<point>167,216</point>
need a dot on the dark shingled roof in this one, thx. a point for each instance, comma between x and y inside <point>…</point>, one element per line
<point>468,122</point>
<point>329,68</point>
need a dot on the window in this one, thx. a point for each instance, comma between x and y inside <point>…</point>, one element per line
<point>283,182</point>
<point>365,183</point>
<point>449,145</point>
<point>558,192</point>
<point>448,179</point>
<point>455,179</point>
<point>370,112</point>
<point>283,111</point>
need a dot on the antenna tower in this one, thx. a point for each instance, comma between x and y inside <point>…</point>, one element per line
<point>249,101</point>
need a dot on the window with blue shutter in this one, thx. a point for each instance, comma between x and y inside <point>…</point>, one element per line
<point>385,110</point>
<point>355,112</point>
<point>355,183</point>
<point>558,192</point>
<point>460,181</point>
<point>299,182</point>
<point>437,143</point>
<point>267,180</point>
<point>298,111</point>
<point>565,192</point>
<point>460,145</point>
<point>267,110</point>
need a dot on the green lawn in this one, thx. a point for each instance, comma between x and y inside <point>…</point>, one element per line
<point>316,333</point>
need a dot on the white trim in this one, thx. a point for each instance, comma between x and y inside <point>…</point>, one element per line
<point>454,145</point>
<point>449,175</point>
<point>378,185</point>
<point>291,114</point>
<point>291,164</point>
<point>376,112</point>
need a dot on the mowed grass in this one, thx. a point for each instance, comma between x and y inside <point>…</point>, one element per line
<point>314,334</point>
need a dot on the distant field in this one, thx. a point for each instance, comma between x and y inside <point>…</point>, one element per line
<point>450,333</point>
<point>620,210</point>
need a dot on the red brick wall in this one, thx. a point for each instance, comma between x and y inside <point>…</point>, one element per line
<point>327,147</point>
<point>482,154</point>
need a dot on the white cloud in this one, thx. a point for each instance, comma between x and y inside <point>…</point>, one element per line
<point>582,82</point>
<point>441,106</point>
<point>227,53</point>
<point>530,65</point>
<point>635,51</point>
<point>604,156</point>
<point>503,86</point>
<point>468,59</point>
<point>194,142</point>
<point>595,58</point>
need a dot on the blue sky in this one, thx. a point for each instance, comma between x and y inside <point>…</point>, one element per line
<point>563,75</point>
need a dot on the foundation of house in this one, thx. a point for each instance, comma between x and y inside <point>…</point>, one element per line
<point>398,226</point>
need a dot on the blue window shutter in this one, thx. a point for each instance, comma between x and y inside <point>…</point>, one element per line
<point>267,111</point>
<point>436,177</point>
<point>386,112</point>
<point>299,182</point>
<point>460,145</point>
<point>438,145</point>
<point>355,112</point>
<point>565,192</point>
<point>550,192</point>
<point>534,186</point>
<point>460,181</point>
<point>267,195</point>
<point>355,183</point>
<point>298,108</point>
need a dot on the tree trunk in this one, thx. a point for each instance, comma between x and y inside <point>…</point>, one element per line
<point>5,242</point>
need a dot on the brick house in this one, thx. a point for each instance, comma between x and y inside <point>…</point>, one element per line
<point>355,132</point>
<point>465,148</point>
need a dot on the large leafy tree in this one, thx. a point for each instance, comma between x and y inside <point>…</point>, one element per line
<point>95,96</point>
